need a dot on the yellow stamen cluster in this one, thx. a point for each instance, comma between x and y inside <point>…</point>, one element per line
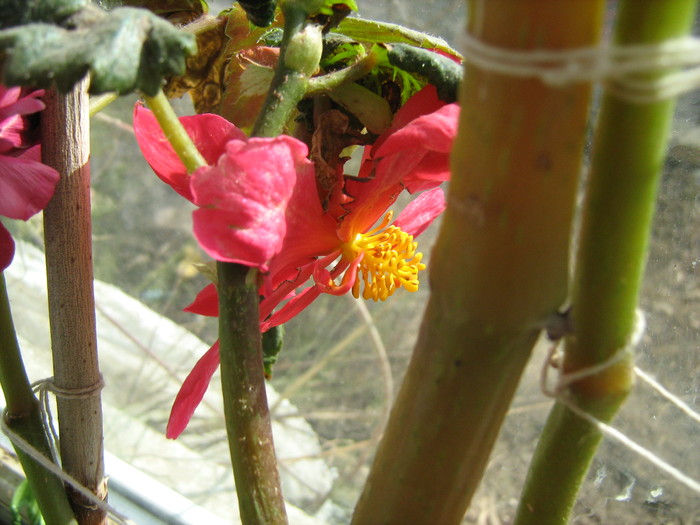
<point>390,261</point>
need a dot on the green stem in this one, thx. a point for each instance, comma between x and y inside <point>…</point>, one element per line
<point>327,83</point>
<point>247,414</point>
<point>24,418</point>
<point>628,153</point>
<point>174,132</point>
<point>246,411</point>
<point>498,271</point>
<point>288,85</point>
<point>245,401</point>
<point>248,423</point>
<point>100,102</point>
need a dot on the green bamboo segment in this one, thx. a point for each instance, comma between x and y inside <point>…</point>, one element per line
<point>498,271</point>
<point>247,414</point>
<point>24,418</point>
<point>628,153</point>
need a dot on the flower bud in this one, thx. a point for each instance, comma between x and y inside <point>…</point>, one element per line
<point>304,50</point>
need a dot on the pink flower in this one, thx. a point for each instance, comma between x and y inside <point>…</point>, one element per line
<point>350,244</point>
<point>26,185</point>
<point>418,143</point>
<point>241,196</point>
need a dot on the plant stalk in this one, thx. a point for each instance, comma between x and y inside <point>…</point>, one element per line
<point>498,271</point>
<point>24,418</point>
<point>68,240</point>
<point>247,415</point>
<point>628,152</point>
<point>245,401</point>
<point>174,132</point>
<point>330,81</point>
<point>288,85</point>
<point>248,423</point>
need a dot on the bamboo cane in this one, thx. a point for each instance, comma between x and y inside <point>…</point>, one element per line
<point>68,240</point>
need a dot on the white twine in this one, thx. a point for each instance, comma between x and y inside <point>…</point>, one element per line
<point>637,73</point>
<point>43,387</point>
<point>560,393</point>
<point>661,390</point>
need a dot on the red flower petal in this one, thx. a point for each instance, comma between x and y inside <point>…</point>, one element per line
<point>26,185</point>
<point>421,212</point>
<point>209,132</point>
<point>13,124</point>
<point>7,248</point>
<point>430,171</point>
<point>243,199</point>
<point>434,131</point>
<point>12,102</point>
<point>412,154</point>
<point>192,391</point>
<point>292,308</point>
<point>206,302</point>
<point>311,232</point>
<point>424,102</point>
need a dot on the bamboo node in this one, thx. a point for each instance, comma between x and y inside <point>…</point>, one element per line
<point>561,395</point>
<point>86,392</point>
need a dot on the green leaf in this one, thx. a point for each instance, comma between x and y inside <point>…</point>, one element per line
<point>372,31</point>
<point>20,12</point>
<point>324,7</point>
<point>443,73</point>
<point>272,341</point>
<point>125,50</point>
<point>168,7</point>
<point>24,507</point>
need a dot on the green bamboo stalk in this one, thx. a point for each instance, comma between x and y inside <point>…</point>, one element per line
<point>24,418</point>
<point>497,272</point>
<point>68,241</point>
<point>629,148</point>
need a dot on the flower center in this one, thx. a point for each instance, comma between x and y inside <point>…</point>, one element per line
<point>389,262</point>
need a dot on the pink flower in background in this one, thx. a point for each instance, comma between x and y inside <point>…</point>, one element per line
<point>26,185</point>
<point>259,198</point>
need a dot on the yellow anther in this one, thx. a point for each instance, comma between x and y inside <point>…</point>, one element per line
<point>390,261</point>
